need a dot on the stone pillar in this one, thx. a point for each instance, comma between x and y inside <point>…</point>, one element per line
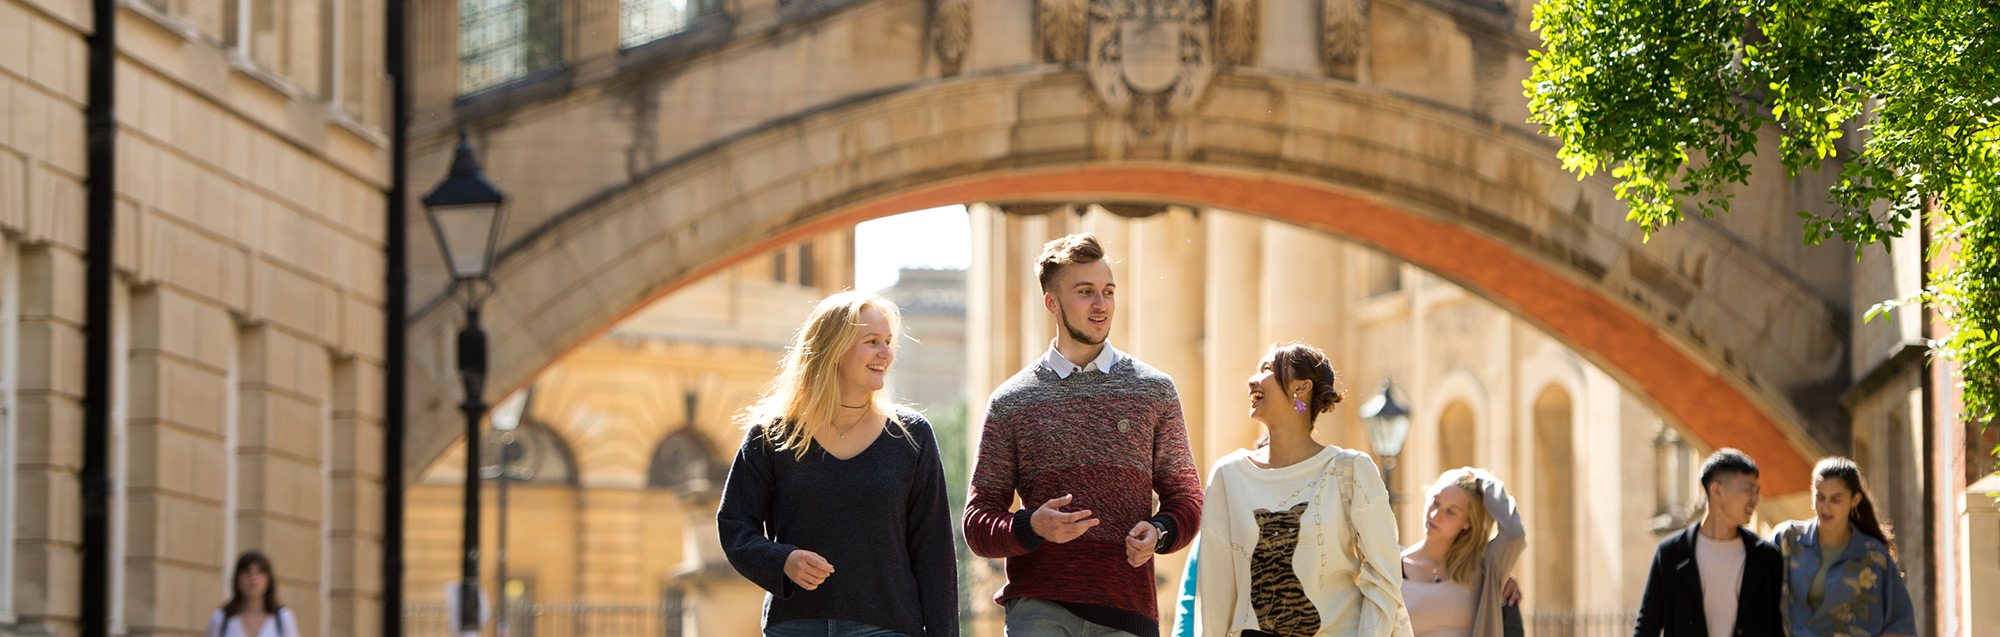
<point>592,34</point>
<point>992,324</point>
<point>283,385</point>
<point>1231,327</point>
<point>1114,233</point>
<point>1302,302</point>
<point>181,350</point>
<point>1164,297</point>
<point>48,544</point>
<point>355,526</point>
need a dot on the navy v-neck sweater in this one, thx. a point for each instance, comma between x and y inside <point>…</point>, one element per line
<point>880,518</point>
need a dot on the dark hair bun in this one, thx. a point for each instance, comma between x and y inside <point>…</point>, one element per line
<point>1299,361</point>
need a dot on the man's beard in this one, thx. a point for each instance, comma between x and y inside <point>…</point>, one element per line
<point>1075,334</point>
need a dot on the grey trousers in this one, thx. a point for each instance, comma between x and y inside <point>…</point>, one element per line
<point>1031,617</point>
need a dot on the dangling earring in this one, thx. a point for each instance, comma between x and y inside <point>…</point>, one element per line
<point>1298,405</point>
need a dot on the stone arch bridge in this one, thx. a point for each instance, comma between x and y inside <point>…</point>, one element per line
<point>1398,124</point>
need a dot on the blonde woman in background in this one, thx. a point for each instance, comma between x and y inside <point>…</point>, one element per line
<point>835,504</point>
<point>1454,577</point>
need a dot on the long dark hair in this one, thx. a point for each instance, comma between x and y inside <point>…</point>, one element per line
<point>1863,515</point>
<point>236,599</point>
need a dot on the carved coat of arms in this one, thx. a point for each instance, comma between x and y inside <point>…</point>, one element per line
<point>1150,59</point>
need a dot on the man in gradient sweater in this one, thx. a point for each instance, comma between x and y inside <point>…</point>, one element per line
<point>1085,435</point>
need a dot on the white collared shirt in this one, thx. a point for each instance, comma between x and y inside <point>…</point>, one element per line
<point>1055,361</point>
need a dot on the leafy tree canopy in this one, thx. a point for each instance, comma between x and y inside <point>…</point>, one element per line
<point>1903,95</point>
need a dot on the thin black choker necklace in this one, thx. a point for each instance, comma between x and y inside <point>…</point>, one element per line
<point>854,406</point>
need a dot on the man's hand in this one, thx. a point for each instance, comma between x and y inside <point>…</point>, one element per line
<point>807,569</point>
<point>1510,593</point>
<point>1052,524</point>
<point>1140,542</point>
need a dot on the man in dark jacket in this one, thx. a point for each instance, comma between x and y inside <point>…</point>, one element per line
<point>1716,578</point>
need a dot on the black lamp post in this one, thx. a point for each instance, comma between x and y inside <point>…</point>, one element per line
<point>506,419</point>
<point>1388,424</point>
<point>464,211</point>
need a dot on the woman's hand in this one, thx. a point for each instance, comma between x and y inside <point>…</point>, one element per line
<point>807,569</point>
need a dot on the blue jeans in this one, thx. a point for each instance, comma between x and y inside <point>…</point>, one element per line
<point>828,628</point>
<point>1035,617</point>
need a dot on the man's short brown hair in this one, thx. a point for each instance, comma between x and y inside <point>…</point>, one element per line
<point>1075,249</point>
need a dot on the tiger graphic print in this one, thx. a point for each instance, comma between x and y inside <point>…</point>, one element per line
<point>1275,591</point>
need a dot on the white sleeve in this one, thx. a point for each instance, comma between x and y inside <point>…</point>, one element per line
<point>1215,591</point>
<point>289,622</point>
<point>216,623</point>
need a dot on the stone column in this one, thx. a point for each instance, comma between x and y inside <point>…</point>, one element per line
<point>992,325</point>
<point>181,351</point>
<point>1302,302</point>
<point>355,463</point>
<point>592,31</point>
<point>1164,297</point>
<point>1231,327</point>
<point>47,547</point>
<point>1114,233</point>
<point>283,385</point>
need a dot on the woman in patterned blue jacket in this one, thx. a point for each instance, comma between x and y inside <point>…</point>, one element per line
<point>1841,575</point>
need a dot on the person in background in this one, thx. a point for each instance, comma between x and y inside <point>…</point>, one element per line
<point>1716,578</point>
<point>1453,579</point>
<point>1841,575</point>
<point>253,609</point>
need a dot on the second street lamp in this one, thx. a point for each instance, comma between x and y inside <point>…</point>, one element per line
<point>1388,424</point>
<point>464,212</point>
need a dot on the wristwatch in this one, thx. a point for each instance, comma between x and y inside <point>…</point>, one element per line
<point>1161,546</point>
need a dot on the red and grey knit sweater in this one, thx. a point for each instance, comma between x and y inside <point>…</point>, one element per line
<point>1112,440</point>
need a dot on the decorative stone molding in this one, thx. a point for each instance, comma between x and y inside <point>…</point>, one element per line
<point>1150,59</point>
<point>951,32</point>
<point>1238,29</point>
<point>1344,36</point>
<point>1060,24</point>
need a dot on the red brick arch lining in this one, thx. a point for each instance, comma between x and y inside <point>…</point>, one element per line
<point>1709,405</point>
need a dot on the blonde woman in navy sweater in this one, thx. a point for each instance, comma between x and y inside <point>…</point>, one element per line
<point>835,504</point>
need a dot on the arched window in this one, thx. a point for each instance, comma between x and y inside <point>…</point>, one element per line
<point>1458,437</point>
<point>1555,498</point>
<point>539,456</point>
<point>684,463</point>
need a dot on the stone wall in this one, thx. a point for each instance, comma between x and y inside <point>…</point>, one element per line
<point>248,320</point>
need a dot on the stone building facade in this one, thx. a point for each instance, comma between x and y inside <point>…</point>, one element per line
<point>246,309</point>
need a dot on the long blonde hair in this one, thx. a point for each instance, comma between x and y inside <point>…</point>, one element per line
<point>805,396</point>
<point>1467,555</point>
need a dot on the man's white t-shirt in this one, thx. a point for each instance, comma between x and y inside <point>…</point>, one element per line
<point>1721,564</point>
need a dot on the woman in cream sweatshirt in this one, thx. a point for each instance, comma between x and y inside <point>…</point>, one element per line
<point>1298,539</point>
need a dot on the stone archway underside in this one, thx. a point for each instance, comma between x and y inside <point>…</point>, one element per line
<point>1484,206</point>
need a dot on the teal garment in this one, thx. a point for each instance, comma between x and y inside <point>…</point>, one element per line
<point>1865,594</point>
<point>1184,603</point>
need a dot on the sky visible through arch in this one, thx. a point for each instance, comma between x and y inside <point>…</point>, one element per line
<point>938,238</point>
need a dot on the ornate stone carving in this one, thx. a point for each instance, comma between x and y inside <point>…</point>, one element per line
<point>1061,25</point>
<point>1150,59</point>
<point>951,31</point>
<point>1238,27</point>
<point>1345,35</point>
